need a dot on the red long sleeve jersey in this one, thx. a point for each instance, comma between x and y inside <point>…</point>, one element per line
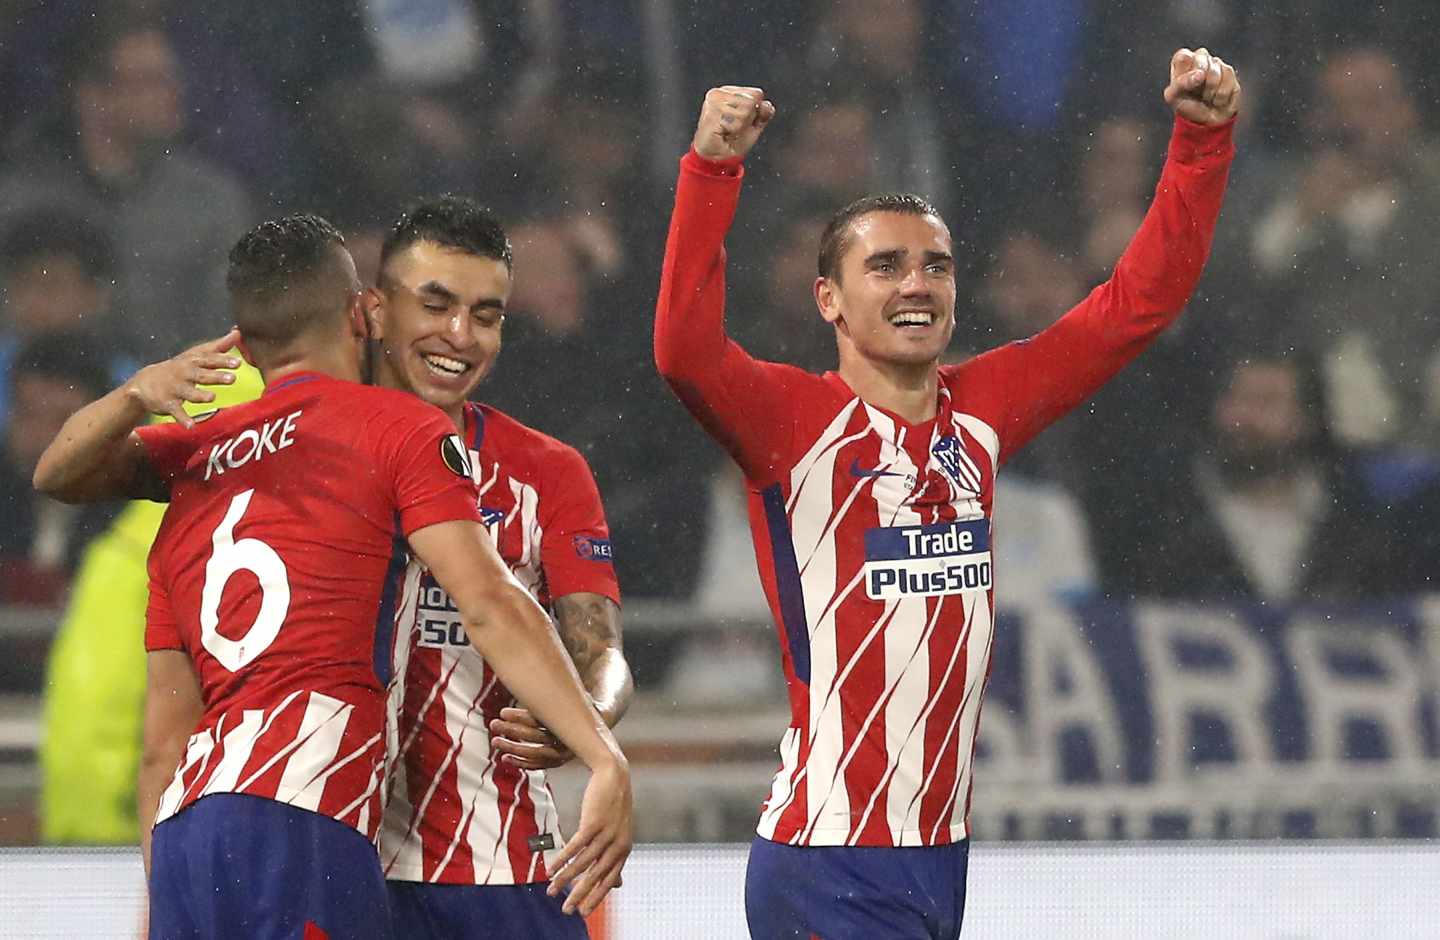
<point>457,815</point>
<point>873,536</point>
<point>275,569</point>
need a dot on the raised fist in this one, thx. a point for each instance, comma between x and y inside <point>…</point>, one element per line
<point>1202,87</point>
<point>731,120</point>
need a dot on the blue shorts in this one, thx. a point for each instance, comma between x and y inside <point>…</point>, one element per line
<point>239,866</point>
<point>837,892</point>
<point>430,910</point>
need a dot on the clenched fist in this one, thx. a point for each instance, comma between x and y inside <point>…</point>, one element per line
<point>1202,87</point>
<point>731,120</point>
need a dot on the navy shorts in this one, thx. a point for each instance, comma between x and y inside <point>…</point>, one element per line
<point>241,866</point>
<point>838,892</point>
<point>432,910</point>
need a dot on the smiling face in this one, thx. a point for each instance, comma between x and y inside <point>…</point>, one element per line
<point>437,313</point>
<point>893,294</point>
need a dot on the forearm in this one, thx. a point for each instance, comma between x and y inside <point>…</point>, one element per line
<point>515,637</point>
<point>690,309</point>
<point>156,770</point>
<point>610,684</point>
<point>93,457</point>
<point>1162,264</point>
<point>589,626</point>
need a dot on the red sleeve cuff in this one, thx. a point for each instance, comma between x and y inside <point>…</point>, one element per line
<point>1191,142</point>
<point>733,168</point>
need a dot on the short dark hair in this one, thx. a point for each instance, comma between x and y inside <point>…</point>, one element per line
<point>283,275</point>
<point>838,232</point>
<point>78,359</point>
<point>54,231</point>
<point>450,221</point>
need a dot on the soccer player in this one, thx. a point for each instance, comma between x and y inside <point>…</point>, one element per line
<point>870,499</point>
<point>470,833</point>
<point>272,598</point>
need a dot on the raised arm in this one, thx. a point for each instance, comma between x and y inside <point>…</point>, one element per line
<point>1033,382</point>
<point>98,456</point>
<point>721,385</point>
<point>513,633</point>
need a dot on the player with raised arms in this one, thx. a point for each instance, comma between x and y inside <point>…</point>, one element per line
<point>870,496</point>
<point>273,591</point>
<point>471,830</point>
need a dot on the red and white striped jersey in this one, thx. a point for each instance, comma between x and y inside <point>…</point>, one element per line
<point>456,814</point>
<point>873,536</point>
<point>274,570</point>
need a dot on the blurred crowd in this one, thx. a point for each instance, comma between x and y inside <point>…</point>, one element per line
<point>1281,444</point>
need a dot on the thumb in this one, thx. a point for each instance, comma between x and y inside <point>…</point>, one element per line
<point>764,113</point>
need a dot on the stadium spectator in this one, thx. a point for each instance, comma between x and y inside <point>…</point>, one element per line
<point>110,151</point>
<point>883,49</point>
<point>51,378</point>
<point>96,668</point>
<point>1344,248</point>
<point>56,276</point>
<point>570,370</point>
<point>1269,511</point>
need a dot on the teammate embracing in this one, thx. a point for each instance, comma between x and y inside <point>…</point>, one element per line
<point>471,832</point>
<point>870,495</point>
<point>271,599</point>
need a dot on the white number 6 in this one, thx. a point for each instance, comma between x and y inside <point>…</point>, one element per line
<point>258,558</point>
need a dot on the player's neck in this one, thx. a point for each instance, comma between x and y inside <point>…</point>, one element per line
<point>908,390</point>
<point>337,361</point>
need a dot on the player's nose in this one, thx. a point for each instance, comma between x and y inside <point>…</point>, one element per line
<point>460,331</point>
<point>914,283</point>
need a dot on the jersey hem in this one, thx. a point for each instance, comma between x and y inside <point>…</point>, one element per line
<point>908,839</point>
<point>498,878</point>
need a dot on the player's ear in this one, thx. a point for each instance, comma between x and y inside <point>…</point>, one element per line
<point>827,298</point>
<point>359,322</point>
<point>373,303</point>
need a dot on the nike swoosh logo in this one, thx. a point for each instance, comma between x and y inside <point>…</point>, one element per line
<point>859,471</point>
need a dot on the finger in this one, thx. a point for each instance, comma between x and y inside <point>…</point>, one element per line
<point>1213,76</point>
<point>1181,62</point>
<point>589,893</point>
<point>525,751</point>
<point>1202,59</point>
<point>212,377</point>
<point>216,360</point>
<point>744,91</point>
<point>764,114</point>
<point>506,729</point>
<point>221,343</point>
<point>521,715</point>
<point>573,867</point>
<point>579,871</point>
<point>181,417</point>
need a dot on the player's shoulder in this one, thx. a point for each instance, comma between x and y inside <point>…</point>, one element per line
<point>517,440</point>
<point>380,407</point>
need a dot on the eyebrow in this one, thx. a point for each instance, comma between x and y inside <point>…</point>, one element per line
<point>893,255</point>
<point>437,289</point>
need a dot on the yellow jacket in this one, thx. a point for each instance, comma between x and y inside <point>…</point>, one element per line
<point>94,710</point>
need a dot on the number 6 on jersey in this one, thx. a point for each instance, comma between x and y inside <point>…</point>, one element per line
<point>230,556</point>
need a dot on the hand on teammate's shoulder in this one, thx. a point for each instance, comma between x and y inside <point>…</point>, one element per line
<point>732,118</point>
<point>1203,87</point>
